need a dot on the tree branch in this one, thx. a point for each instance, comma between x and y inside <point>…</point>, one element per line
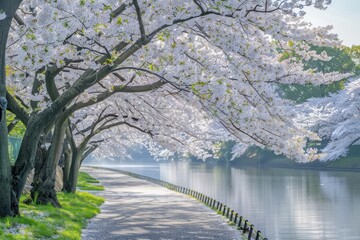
<point>141,23</point>
<point>150,72</point>
<point>19,20</point>
<point>12,125</point>
<point>200,6</point>
<point>14,107</point>
<point>109,93</point>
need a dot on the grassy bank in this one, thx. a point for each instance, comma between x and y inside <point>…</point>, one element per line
<point>88,183</point>
<point>44,222</point>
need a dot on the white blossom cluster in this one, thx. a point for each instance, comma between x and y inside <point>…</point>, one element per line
<point>219,57</point>
<point>152,118</point>
<point>335,118</point>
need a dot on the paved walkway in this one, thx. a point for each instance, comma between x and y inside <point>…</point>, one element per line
<point>136,209</point>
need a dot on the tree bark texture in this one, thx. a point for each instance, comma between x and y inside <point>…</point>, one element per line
<point>43,186</point>
<point>67,164</point>
<point>26,157</point>
<point>6,202</point>
<point>70,184</point>
<point>34,129</point>
<point>44,183</point>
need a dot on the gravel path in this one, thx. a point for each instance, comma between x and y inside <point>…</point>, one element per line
<point>136,209</point>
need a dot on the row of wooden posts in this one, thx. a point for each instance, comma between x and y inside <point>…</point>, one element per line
<point>245,227</point>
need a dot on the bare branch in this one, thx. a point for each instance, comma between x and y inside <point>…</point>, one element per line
<point>150,72</point>
<point>195,60</point>
<point>19,20</point>
<point>265,10</point>
<point>109,93</point>
<point>119,77</point>
<point>118,11</point>
<point>141,23</point>
<point>200,6</point>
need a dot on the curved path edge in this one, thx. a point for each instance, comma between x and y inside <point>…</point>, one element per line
<point>137,209</point>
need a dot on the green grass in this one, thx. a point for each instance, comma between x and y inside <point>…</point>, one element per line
<point>86,182</point>
<point>45,222</point>
<point>231,223</point>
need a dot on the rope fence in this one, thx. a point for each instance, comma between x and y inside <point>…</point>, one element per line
<point>243,225</point>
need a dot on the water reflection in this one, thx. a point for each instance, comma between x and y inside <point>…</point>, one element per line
<point>282,203</point>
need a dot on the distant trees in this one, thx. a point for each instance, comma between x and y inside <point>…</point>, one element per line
<point>345,60</point>
<point>341,61</point>
<point>335,118</point>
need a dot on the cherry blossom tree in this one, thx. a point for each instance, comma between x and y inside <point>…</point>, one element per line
<point>335,119</point>
<point>139,119</point>
<point>221,56</point>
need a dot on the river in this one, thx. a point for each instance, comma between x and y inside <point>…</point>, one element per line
<point>285,204</point>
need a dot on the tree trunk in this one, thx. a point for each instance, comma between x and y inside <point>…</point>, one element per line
<point>70,185</point>
<point>37,123</point>
<point>67,164</point>
<point>35,127</point>
<point>25,160</point>
<point>43,191</point>
<point>5,194</point>
<point>41,155</point>
<point>9,8</point>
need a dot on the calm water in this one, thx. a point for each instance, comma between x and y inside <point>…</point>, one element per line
<point>288,204</point>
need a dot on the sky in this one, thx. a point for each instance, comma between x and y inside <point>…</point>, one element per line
<point>344,15</point>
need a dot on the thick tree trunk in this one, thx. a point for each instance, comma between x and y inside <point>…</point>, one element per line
<point>5,194</point>
<point>41,156</point>
<point>39,122</point>
<point>43,119</point>
<point>25,160</point>
<point>35,127</point>
<point>43,191</point>
<point>6,202</point>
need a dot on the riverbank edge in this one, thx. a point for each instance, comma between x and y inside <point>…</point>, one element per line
<point>245,228</point>
<point>255,156</point>
<point>293,165</point>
